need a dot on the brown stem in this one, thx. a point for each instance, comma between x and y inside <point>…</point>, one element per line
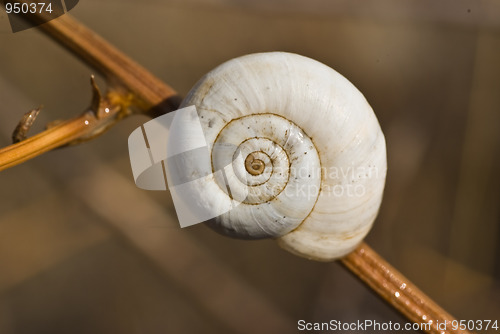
<point>137,87</point>
<point>56,136</point>
<point>104,57</point>
<point>88,125</point>
<point>398,291</point>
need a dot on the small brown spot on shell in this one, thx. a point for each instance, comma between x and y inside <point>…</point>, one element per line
<point>254,166</point>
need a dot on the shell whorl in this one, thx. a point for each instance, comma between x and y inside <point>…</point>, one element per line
<point>302,152</point>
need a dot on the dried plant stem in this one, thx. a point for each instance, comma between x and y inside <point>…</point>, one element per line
<point>54,137</point>
<point>104,57</point>
<point>78,129</point>
<point>140,88</point>
<point>398,291</point>
<point>135,86</point>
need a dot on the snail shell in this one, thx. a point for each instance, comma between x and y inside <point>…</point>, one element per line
<point>302,150</point>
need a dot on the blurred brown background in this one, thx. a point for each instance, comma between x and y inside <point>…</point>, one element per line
<point>82,250</point>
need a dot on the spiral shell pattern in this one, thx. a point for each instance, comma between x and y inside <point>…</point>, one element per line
<point>266,180</point>
<point>302,151</point>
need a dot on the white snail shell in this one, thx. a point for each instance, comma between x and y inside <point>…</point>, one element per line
<point>312,160</point>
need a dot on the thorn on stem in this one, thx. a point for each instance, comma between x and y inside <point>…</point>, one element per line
<point>24,125</point>
<point>95,105</point>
